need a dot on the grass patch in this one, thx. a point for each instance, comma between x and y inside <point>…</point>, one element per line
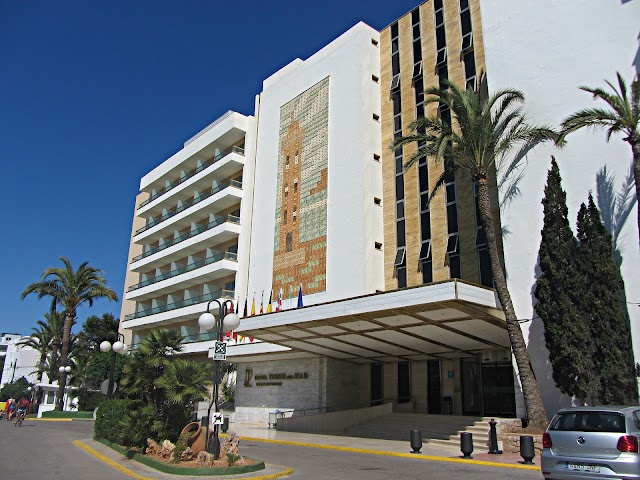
<point>58,414</point>
<point>176,470</point>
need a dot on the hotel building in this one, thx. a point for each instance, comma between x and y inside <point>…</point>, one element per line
<point>306,194</point>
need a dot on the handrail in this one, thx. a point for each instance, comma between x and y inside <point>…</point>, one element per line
<point>189,203</point>
<point>192,172</point>
<point>188,268</point>
<point>216,222</point>
<point>181,304</point>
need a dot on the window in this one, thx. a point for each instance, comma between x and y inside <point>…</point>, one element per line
<point>395,82</point>
<point>425,250</point>
<point>441,56</point>
<point>289,246</point>
<point>454,266</point>
<point>295,185</point>
<point>467,42</point>
<point>295,214</point>
<point>375,79</point>
<point>452,243</point>
<point>376,157</point>
<point>471,83</point>
<point>286,165</point>
<point>376,117</point>
<point>417,69</point>
<point>377,246</point>
<point>374,42</point>
<point>464,6</point>
<point>484,267</point>
<point>284,217</point>
<point>480,238</point>
<point>286,190</point>
<point>377,201</point>
<point>295,161</point>
<point>400,254</point>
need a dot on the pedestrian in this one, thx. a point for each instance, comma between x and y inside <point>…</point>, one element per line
<point>10,408</point>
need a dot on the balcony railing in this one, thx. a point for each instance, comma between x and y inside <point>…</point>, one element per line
<point>192,266</point>
<point>192,172</point>
<point>218,188</point>
<point>216,222</point>
<point>182,303</point>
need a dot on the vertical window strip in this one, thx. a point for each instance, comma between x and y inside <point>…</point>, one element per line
<point>466,49</point>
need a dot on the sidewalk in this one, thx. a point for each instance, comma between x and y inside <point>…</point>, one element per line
<point>262,432</point>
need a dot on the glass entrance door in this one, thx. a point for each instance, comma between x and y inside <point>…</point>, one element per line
<point>498,392</point>
<point>471,387</point>
<point>434,395</point>
<point>376,384</point>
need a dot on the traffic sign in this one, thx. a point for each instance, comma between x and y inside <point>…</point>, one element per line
<point>217,418</point>
<point>220,351</point>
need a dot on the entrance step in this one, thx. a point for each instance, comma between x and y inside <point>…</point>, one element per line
<point>436,429</point>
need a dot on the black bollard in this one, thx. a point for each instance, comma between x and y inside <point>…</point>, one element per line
<point>415,439</point>
<point>225,425</point>
<point>466,444</point>
<point>527,451</point>
<point>493,438</point>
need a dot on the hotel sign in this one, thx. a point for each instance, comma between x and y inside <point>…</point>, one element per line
<point>272,379</point>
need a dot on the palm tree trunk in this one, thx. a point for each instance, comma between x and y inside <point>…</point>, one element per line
<point>66,339</point>
<point>532,398</point>
<point>634,141</point>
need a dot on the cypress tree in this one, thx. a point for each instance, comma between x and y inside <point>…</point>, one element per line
<point>566,333</point>
<point>602,302</point>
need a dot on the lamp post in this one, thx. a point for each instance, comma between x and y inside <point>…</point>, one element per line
<point>118,346</point>
<point>207,321</point>
<point>62,369</point>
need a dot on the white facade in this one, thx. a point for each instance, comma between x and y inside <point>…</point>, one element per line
<point>354,223</point>
<point>20,360</point>
<point>547,50</point>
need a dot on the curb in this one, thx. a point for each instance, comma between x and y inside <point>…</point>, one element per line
<point>286,470</point>
<point>394,454</point>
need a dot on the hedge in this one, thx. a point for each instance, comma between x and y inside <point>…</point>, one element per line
<point>113,422</point>
<point>58,414</point>
<point>88,401</point>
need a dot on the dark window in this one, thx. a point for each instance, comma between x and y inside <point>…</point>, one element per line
<point>425,225</point>
<point>404,382</point>
<point>398,162</point>
<point>417,69</point>
<point>452,218</point>
<point>439,18</point>
<point>400,254</point>
<point>425,250</point>
<point>465,21</point>
<point>441,56</point>
<point>397,105</point>
<point>395,64</point>
<point>402,277</point>
<point>454,266</point>
<point>400,209</point>
<point>285,217</point>
<point>484,266</point>
<point>480,237</point>
<point>427,271</point>
<point>594,421</point>
<point>399,186</point>
<point>289,242</point>
<point>397,123</point>
<point>416,32</point>
<point>400,233</point>
<point>394,30</point>
<point>295,185</point>
<point>441,41</point>
<point>451,192</point>
<point>443,75</point>
<point>415,16</point>
<point>423,178</point>
<point>467,42</point>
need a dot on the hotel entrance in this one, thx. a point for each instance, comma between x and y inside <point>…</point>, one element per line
<point>487,385</point>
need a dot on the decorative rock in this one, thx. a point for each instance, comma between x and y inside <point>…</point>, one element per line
<point>230,444</point>
<point>152,447</point>
<point>205,459</point>
<point>188,454</point>
<point>167,449</point>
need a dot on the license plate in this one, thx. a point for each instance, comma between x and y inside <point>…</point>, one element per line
<point>581,467</point>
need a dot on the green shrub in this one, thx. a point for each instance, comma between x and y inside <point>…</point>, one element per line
<point>122,422</point>
<point>88,400</point>
<point>58,414</point>
<point>181,446</point>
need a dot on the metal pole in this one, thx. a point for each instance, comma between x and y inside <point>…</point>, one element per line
<point>111,373</point>
<point>208,447</point>
<point>216,427</point>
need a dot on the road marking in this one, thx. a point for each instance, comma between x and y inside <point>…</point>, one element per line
<point>50,419</point>
<point>108,461</point>
<point>393,454</point>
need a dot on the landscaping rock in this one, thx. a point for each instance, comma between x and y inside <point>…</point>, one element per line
<point>188,454</point>
<point>167,449</point>
<point>205,459</point>
<point>152,447</point>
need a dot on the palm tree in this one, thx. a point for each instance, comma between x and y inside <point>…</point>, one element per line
<point>488,129</point>
<point>46,340</point>
<point>623,117</point>
<point>70,288</point>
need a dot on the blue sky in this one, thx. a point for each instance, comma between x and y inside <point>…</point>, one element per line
<point>93,95</point>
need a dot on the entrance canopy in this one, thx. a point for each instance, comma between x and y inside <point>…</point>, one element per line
<point>451,319</point>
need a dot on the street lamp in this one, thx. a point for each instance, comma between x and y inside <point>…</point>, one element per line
<point>118,346</point>
<point>62,369</point>
<point>230,321</point>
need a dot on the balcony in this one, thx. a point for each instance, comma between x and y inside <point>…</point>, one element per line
<point>189,203</point>
<point>192,266</point>
<point>215,223</point>
<point>191,173</point>
<point>226,294</point>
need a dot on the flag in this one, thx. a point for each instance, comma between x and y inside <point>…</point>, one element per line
<point>262,303</point>
<point>270,302</point>
<point>290,294</point>
<point>246,300</point>
<point>279,304</point>
<point>300,297</point>
<point>253,305</point>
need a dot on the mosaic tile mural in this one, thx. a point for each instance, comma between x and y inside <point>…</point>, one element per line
<point>300,247</point>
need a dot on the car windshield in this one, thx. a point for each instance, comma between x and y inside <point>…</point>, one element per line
<point>589,422</point>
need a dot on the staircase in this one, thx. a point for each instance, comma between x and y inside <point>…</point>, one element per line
<point>443,430</point>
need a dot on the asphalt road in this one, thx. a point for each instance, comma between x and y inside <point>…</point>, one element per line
<point>44,450</point>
